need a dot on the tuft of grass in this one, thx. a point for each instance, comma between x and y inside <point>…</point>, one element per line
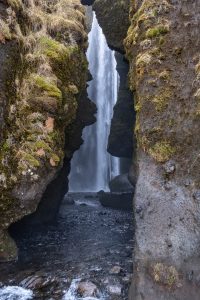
<point>31,160</point>
<point>157,31</point>
<point>51,89</point>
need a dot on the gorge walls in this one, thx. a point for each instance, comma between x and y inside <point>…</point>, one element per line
<point>44,109</point>
<point>43,78</point>
<point>162,46</point>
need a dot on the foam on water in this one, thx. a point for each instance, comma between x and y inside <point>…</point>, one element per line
<point>15,293</point>
<point>72,295</point>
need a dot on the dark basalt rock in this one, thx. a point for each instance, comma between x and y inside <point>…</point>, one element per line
<point>87,2</point>
<point>113,17</point>
<point>49,205</point>
<point>122,201</point>
<point>121,184</point>
<point>121,139</point>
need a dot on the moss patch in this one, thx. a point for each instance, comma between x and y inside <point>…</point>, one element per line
<point>165,275</point>
<point>44,85</point>
<point>162,151</point>
<point>157,31</point>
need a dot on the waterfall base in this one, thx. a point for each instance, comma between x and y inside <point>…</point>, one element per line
<point>89,242</point>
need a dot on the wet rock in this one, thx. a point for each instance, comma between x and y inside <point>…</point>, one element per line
<point>127,278</point>
<point>116,200</point>
<point>87,289</point>
<point>109,13</point>
<point>37,282</point>
<point>32,282</point>
<point>115,289</point>
<point>196,195</point>
<point>121,184</point>
<point>169,167</point>
<point>116,270</point>
<point>68,200</point>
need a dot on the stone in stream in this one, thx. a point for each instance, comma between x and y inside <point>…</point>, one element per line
<point>121,184</point>
<point>115,289</point>
<point>116,200</point>
<point>87,289</point>
<point>116,270</point>
<point>37,282</point>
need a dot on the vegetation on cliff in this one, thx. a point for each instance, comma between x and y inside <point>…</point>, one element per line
<point>46,71</point>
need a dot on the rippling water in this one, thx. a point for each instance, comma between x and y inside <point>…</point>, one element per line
<point>15,293</point>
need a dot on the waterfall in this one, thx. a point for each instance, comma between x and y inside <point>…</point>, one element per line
<point>92,166</point>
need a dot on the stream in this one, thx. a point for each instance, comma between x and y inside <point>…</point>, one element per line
<point>88,244</point>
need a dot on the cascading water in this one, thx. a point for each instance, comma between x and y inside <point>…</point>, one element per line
<point>92,167</point>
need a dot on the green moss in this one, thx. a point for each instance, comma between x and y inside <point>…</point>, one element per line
<point>162,151</point>
<point>6,147</point>
<point>55,157</point>
<point>68,62</point>
<point>161,99</point>
<point>55,50</point>
<point>138,106</point>
<point>41,145</point>
<point>51,89</point>
<point>32,161</point>
<point>157,31</point>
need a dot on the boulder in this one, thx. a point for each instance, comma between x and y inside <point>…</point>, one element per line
<point>116,200</point>
<point>121,184</point>
<point>87,289</point>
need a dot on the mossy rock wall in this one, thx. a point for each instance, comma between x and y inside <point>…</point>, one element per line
<point>42,50</point>
<point>162,47</point>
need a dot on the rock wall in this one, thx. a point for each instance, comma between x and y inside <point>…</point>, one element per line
<point>44,71</point>
<point>112,16</point>
<point>121,139</point>
<point>162,46</point>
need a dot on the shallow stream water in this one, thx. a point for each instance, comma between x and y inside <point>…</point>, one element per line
<point>85,243</point>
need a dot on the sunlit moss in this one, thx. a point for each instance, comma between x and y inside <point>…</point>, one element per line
<point>162,151</point>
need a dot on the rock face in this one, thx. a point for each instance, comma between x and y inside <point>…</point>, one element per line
<point>121,139</point>
<point>121,184</point>
<point>163,50</point>
<point>113,17</point>
<point>44,71</point>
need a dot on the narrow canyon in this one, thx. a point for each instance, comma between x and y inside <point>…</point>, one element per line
<point>99,149</point>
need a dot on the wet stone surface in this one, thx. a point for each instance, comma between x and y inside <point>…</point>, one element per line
<point>89,244</point>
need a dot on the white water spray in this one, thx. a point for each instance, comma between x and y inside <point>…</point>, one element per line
<point>15,293</point>
<point>92,166</point>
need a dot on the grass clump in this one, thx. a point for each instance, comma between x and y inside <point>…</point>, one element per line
<point>51,89</point>
<point>41,145</point>
<point>157,31</point>
<point>31,160</point>
<point>16,4</point>
<point>5,31</point>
